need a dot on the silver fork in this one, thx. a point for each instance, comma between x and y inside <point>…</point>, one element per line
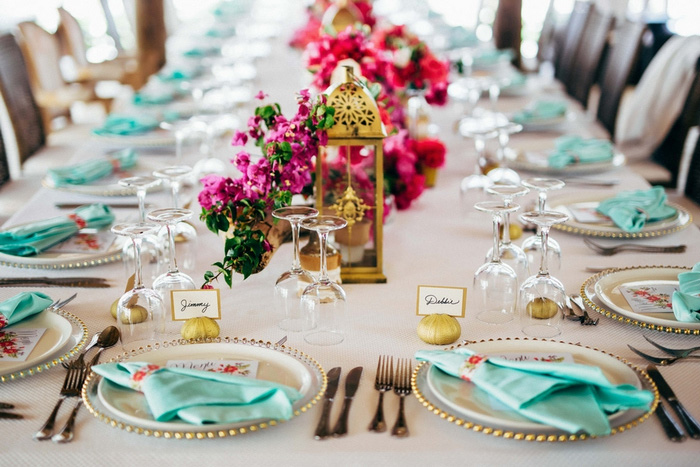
<point>586,320</point>
<point>75,376</point>
<point>662,361</point>
<point>382,383</point>
<point>66,433</point>
<point>611,250</point>
<point>682,353</point>
<point>402,388</point>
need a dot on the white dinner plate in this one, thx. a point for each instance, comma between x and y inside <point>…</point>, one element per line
<point>602,293</point>
<point>538,163</point>
<point>606,228</point>
<point>463,403</point>
<point>276,363</point>
<point>65,335</point>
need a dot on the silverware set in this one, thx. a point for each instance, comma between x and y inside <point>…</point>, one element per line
<point>584,318</point>
<point>5,413</point>
<point>352,382</point>
<point>400,382</point>
<point>676,355</point>
<point>612,250</point>
<point>674,432</point>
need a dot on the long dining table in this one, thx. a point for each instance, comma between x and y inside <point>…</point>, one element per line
<point>441,241</point>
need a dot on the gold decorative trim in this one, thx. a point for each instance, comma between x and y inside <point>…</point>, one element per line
<point>684,220</point>
<point>539,437</point>
<point>207,432</point>
<point>626,319</point>
<point>75,321</point>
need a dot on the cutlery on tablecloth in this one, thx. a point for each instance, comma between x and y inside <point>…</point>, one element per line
<point>115,205</point>
<point>352,381</point>
<point>10,416</point>
<point>690,424</point>
<point>611,250</point>
<point>663,361</point>
<point>383,382</point>
<point>322,430</point>
<point>402,388</point>
<point>75,376</point>
<point>673,431</point>
<point>586,320</point>
<point>88,282</point>
<point>675,352</point>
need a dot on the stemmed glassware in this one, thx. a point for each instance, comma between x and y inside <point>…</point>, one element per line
<point>542,297</point>
<point>173,279</point>
<point>480,129</point>
<point>152,246</point>
<point>532,245</point>
<point>503,174</point>
<point>140,311</point>
<point>291,283</point>
<point>510,253</point>
<point>323,302</point>
<point>496,283</point>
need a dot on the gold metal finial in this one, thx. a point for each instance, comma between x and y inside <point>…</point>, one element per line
<point>350,207</point>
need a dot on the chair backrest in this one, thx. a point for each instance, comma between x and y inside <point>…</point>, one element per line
<point>22,109</point>
<point>587,63</point>
<point>572,38</point>
<point>692,181</point>
<point>71,37</point>
<point>621,60</point>
<point>546,44</point>
<point>43,54</point>
<point>4,168</point>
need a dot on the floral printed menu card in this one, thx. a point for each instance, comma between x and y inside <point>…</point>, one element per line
<point>17,344</point>
<point>232,367</point>
<point>649,298</point>
<point>85,242</point>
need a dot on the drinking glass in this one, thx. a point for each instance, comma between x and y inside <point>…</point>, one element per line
<point>140,311</point>
<point>502,174</point>
<point>533,244</point>
<point>152,246</point>
<point>173,279</point>
<point>292,282</point>
<point>510,253</point>
<point>480,129</point>
<point>542,297</point>
<point>323,302</point>
<point>496,283</point>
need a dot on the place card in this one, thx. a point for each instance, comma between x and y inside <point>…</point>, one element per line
<point>248,368</point>
<point>587,214</point>
<point>439,299</point>
<point>85,242</point>
<point>650,298</point>
<point>17,344</point>
<point>195,303</point>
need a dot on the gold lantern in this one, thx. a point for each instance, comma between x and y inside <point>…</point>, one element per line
<point>341,14</point>
<point>354,191</point>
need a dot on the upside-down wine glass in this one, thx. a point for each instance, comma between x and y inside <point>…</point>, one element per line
<point>291,283</point>
<point>503,174</point>
<point>542,297</point>
<point>480,129</point>
<point>496,283</point>
<point>323,302</point>
<point>533,244</point>
<point>173,279</point>
<point>152,246</point>
<point>510,253</point>
<point>140,311</point>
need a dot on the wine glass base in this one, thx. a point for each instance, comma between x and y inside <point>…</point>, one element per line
<point>495,317</point>
<point>324,338</point>
<point>541,330</point>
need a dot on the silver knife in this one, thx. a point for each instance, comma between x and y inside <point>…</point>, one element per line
<point>673,431</point>
<point>10,415</point>
<point>352,381</point>
<point>665,390</point>
<point>5,405</point>
<point>115,205</point>
<point>91,282</point>
<point>322,428</point>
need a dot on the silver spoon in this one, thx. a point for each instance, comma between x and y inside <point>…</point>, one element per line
<point>90,345</point>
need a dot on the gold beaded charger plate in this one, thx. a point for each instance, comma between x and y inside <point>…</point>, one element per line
<point>468,406</point>
<point>127,409</point>
<point>65,335</point>
<point>601,292</point>
<point>106,186</point>
<point>605,228</point>
<point>538,163</point>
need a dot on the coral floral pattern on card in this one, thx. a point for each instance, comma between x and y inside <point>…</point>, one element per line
<point>9,346</point>
<point>659,300</point>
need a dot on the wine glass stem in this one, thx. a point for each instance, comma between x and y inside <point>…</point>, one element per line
<point>179,140</point>
<point>506,224</point>
<point>503,139</point>
<point>480,146</point>
<point>544,232</point>
<point>323,275</point>
<point>138,279</point>
<point>175,190</point>
<point>141,196</point>
<point>294,223</point>
<point>496,254</point>
<point>172,267</point>
<point>541,200</point>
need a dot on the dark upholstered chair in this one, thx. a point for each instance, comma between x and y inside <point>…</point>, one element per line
<point>586,66</point>
<point>692,184</point>
<point>621,60</point>
<point>572,38</point>
<point>4,169</point>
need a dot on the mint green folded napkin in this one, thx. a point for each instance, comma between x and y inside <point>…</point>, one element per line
<point>120,125</point>
<point>153,97</point>
<point>35,237</point>
<point>201,397</point>
<point>569,396</point>
<point>490,57</point>
<point>178,74</point>
<point>201,51</point>
<point>94,169</point>
<point>22,306</point>
<point>540,110</point>
<point>631,210</point>
<point>221,31</point>
<point>686,300</point>
<point>571,149</point>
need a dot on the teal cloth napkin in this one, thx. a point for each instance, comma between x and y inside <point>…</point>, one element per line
<point>569,396</point>
<point>490,57</point>
<point>91,170</point>
<point>35,237</point>
<point>153,97</point>
<point>120,125</point>
<point>178,73</point>
<point>540,110</point>
<point>202,51</point>
<point>201,397</point>
<point>22,306</point>
<point>686,300</point>
<point>571,149</point>
<point>631,210</point>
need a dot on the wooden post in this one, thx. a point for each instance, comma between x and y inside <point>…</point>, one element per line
<point>150,38</point>
<point>507,27</point>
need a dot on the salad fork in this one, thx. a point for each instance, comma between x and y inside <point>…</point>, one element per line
<point>611,250</point>
<point>75,377</point>
<point>682,353</point>
<point>402,388</point>
<point>382,383</point>
<point>662,361</point>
